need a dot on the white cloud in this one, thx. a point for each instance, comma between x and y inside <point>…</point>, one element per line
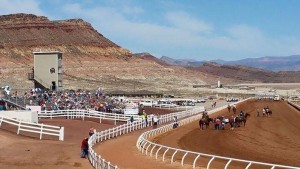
<point>20,6</point>
<point>180,35</point>
<point>185,22</point>
<point>238,38</point>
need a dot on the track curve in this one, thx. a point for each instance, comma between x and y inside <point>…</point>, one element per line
<point>273,139</point>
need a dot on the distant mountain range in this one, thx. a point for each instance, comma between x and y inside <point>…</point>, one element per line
<point>225,72</point>
<point>281,63</point>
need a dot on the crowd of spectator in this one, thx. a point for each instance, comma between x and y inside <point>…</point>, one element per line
<point>69,99</point>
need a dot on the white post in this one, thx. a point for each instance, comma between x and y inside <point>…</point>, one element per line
<point>19,126</point>
<point>1,121</point>
<point>61,133</point>
<point>41,131</point>
<point>83,114</point>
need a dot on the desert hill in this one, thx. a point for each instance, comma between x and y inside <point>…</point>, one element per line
<point>90,60</point>
<point>245,73</point>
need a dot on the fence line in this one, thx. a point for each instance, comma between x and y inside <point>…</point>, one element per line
<point>72,114</point>
<point>77,113</point>
<point>99,162</point>
<point>149,148</point>
<point>41,129</point>
<point>294,104</point>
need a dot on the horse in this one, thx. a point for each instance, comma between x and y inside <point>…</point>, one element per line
<point>229,107</point>
<point>268,112</point>
<point>241,119</point>
<point>234,109</point>
<point>204,122</point>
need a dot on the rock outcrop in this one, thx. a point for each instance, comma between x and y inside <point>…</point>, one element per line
<point>89,59</point>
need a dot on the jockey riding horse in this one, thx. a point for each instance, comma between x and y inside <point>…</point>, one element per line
<point>242,118</point>
<point>204,120</point>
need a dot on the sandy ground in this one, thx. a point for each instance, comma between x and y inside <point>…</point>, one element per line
<point>269,139</point>
<point>19,151</point>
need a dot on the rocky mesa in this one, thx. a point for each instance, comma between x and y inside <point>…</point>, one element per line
<point>89,59</point>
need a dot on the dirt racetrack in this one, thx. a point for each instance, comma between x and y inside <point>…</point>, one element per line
<point>273,139</point>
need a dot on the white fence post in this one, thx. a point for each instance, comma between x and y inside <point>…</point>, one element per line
<point>41,131</point>
<point>19,126</point>
<point>61,133</point>
<point>1,121</point>
<point>83,113</point>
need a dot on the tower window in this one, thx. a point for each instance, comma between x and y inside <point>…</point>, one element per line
<point>52,70</point>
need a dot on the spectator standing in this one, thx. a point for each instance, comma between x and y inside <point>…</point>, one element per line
<point>217,124</point>
<point>175,125</point>
<point>146,118</point>
<point>155,121</point>
<point>84,148</point>
<point>131,119</point>
<point>91,131</point>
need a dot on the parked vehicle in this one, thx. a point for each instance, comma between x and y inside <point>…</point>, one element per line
<point>232,99</point>
<point>276,98</point>
<point>147,103</point>
<point>166,104</point>
<point>190,103</point>
<point>201,100</point>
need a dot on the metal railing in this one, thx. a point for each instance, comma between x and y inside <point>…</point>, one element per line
<point>18,102</point>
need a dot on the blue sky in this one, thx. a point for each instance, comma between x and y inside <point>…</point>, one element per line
<point>191,29</point>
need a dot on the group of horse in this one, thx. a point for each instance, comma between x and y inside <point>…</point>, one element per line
<point>234,121</point>
<point>233,107</point>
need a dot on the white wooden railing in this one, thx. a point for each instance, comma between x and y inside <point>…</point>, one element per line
<point>99,162</point>
<point>152,149</point>
<point>294,104</point>
<point>72,114</point>
<point>41,129</point>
